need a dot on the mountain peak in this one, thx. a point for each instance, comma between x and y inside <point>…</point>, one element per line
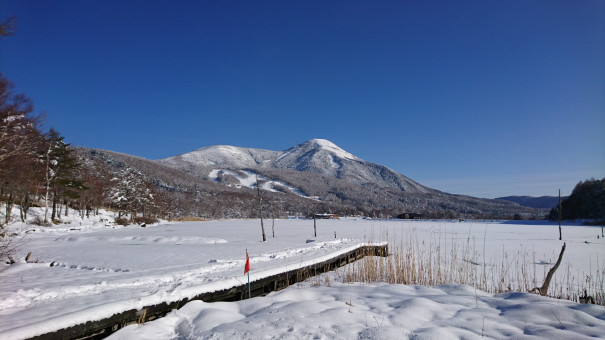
<point>327,145</point>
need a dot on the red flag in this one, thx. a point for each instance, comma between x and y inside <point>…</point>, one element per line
<point>247,267</point>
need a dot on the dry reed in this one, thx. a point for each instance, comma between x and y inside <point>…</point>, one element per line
<point>415,261</point>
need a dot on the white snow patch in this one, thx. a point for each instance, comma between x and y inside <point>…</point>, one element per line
<point>333,148</point>
<point>247,179</point>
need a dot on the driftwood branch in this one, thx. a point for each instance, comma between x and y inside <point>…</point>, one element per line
<point>544,289</point>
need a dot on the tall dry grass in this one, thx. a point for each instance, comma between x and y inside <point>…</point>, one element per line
<point>443,260</point>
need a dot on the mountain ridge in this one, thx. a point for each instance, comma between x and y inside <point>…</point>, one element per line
<point>319,156</point>
<point>209,191</point>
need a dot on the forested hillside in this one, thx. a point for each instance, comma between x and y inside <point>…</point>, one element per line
<point>587,201</point>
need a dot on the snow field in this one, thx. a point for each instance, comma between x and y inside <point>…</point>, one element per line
<point>377,311</point>
<point>102,270</point>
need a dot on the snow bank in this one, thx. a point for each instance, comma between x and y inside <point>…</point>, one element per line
<point>378,312</point>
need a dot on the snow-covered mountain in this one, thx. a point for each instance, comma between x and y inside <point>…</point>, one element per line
<point>318,156</point>
<point>220,182</point>
<point>223,156</point>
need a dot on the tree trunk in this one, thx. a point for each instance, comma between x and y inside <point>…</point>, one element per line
<point>544,289</point>
<point>48,180</point>
<point>9,207</point>
<point>52,216</point>
<point>25,206</point>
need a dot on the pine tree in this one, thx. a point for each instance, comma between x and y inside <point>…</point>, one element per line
<point>130,193</point>
<point>60,175</point>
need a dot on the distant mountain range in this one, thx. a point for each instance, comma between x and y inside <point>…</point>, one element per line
<point>314,176</point>
<point>542,202</point>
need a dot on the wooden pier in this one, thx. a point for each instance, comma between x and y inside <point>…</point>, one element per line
<point>103,328</point>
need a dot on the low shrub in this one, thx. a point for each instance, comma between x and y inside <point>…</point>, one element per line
<point>40,222</point>
<point>122,221</point>
<point>192,219</point>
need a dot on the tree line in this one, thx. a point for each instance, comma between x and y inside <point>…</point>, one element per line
<point>39,168</point>
<point>587,201</point>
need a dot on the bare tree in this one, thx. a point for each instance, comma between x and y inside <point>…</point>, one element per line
<point>17,129</point>
<point>19,138</point>
<point>9,27</point>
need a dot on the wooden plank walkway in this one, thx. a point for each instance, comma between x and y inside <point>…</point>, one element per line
<point>103,328</point>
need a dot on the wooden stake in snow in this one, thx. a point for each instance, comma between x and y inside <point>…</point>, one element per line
<point>560,235</point>
<point>315,225</point>
<point>260,207</point>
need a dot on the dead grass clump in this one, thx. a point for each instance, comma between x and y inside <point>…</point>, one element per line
<point>145,220</point>
<point>437,261</point>
<point>192,219</point>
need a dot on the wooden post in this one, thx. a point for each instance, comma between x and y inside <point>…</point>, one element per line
<point>272,209</point>
<point>315,225</point>
<point>260,207</point>
<point>560,234</point>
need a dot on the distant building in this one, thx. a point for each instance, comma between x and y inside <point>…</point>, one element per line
<point>410,216</point>
<point>325,216</point>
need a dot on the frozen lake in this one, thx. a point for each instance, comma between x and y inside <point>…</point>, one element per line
<point>101,270</point>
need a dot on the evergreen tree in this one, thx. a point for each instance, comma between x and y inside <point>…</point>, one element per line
<point>130,193</point>
<point>587,201</point>
<point>61,172</point>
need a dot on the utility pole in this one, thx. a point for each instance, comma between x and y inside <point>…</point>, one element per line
<point>273,217</point>
<point>260,207</point>
<point>560,235</point>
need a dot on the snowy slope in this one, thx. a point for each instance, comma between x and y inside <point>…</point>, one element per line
<point>224,156</point>
<point>247,178</point>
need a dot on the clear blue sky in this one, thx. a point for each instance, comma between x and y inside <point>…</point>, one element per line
<point>487,98</point>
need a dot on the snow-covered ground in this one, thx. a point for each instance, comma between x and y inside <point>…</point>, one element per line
<point>101,270</point>
<point>383,311</point>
